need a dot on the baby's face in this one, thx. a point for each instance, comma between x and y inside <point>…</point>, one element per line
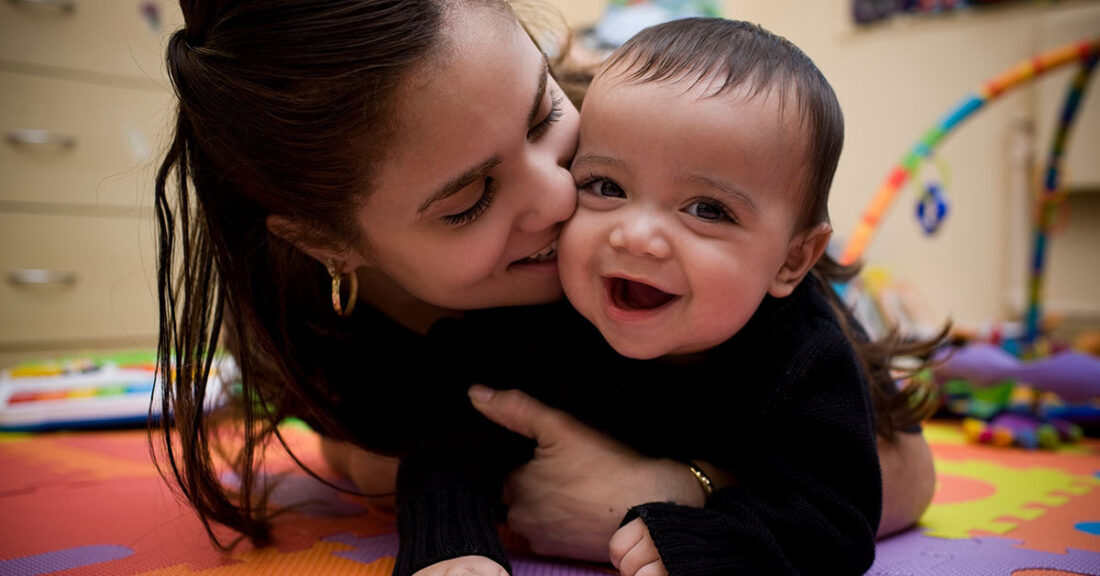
<point>685,214</point>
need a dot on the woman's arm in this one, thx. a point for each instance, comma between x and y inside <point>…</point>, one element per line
<point>908,481</point>
<point>373,474</point>
<point>570,499</point>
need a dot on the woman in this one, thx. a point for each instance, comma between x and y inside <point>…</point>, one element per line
<point>348,173</point>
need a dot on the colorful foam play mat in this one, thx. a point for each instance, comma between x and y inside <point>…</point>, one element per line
<point>90,502</point>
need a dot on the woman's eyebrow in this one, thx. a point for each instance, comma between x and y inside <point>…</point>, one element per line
<point>454,186</point>
<point>477,172</point>
<point>539,92</point>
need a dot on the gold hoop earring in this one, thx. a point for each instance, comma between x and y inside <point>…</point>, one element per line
<point>353,290</point>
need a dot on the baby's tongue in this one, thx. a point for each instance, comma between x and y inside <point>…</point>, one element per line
<point>643,296</point>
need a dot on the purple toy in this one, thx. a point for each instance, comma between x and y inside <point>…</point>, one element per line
<point>1073,376</point>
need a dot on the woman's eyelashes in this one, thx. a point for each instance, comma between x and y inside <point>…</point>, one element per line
<point>555,114</point>
<point>468,215</point>
<point>489,189</point>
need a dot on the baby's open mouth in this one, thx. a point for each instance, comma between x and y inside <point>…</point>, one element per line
<point>631,295</point>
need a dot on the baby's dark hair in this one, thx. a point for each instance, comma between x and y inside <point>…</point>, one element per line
<point>728,55</point>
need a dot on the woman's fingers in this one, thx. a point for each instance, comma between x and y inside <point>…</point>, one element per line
<point>522,414</point>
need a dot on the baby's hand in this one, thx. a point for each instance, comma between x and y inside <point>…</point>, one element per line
<point>634,553</point>
<point>464,566</point>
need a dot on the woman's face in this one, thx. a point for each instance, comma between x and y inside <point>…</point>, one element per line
<point>469,202</point>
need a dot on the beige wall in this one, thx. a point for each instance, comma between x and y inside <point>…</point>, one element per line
<point>897,80</point>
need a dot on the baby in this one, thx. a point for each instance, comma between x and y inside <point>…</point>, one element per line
<point>707,150</point>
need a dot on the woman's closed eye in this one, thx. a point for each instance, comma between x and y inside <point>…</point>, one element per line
<point>555,114</point>
<point>468,215</point>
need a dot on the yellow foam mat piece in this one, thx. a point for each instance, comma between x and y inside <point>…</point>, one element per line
<point>1020,494</point>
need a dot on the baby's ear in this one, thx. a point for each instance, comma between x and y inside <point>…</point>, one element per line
<point>327,253</point>
<point>804,250</point>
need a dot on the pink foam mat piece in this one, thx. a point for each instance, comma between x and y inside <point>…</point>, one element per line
<point>103,513</point>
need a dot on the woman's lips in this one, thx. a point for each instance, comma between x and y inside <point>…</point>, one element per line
<point>549,254</point>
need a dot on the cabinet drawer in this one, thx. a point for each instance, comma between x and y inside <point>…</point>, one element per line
<point>76,278</point>
<point>101,143</point>
<point>105,36</point>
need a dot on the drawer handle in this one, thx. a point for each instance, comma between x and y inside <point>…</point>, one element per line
<point>41,138</point>
<point>62,5</point>
<point>41,277</point>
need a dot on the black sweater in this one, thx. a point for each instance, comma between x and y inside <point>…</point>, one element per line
<point>783,405</point>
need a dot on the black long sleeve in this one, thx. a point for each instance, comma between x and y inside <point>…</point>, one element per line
<point>783,405</point>
<point>453,460</point>
<point>808,499</point>
<point>450,480</point>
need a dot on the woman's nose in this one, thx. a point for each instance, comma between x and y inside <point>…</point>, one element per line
<point>640,235</point>
<point>551,198</point>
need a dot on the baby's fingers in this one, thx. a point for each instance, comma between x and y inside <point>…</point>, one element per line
<point>464,566</point>
<point>634,553</point>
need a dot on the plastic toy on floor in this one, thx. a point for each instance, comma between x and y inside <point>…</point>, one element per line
<point>1025,431</point>
<point>1009,413</point>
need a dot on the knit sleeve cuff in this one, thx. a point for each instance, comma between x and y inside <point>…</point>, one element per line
<point>439,525</point>
<point>691,541</point>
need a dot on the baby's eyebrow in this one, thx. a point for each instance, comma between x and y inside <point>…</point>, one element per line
<point>727,190</point>
<point>591,157</point>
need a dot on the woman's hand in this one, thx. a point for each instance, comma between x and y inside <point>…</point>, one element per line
<point>464,566</point>
<point>569,500</point>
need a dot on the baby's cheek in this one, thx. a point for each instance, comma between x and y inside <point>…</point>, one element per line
<point>573,256</point>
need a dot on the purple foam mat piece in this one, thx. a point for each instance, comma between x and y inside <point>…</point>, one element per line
<point>367,550</point>
<point>1072,375</point>
<point>66,559</point>
<point>914,554</point>
<point>372,548</point>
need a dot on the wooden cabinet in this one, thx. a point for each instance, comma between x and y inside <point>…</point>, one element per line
<point>85,38</point>
<point>69,142</point>
<point>75,278</point>
<point>84,114</point>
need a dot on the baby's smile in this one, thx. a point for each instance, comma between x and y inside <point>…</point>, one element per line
<point>633,295</point>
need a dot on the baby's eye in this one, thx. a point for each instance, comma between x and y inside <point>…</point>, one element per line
<point>607,189</point>
<point>707,210</point>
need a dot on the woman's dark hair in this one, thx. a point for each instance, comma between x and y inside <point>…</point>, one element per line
<point>729,54</point>
<point>285,108</point>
